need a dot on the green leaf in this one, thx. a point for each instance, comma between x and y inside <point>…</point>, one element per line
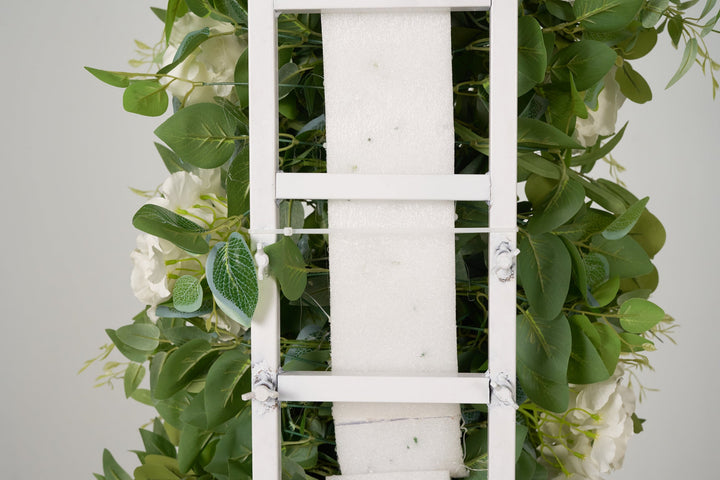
<point>291,214</point>
<point>154,472</point>
<point>166,310</point>
<point>192,441</point>
<point>163,223</point>
<point>544,269</point>
<point>587,60</point>
<point>622,225</point>
<point>635,343</point>
<point>172,162</point>
<point>595,351</point>
<point>597,268</point>
<point>652,12</point>
<point>202,135</point>
<point>111,469</point>
<point>579,273</point>
<point>710,25</point>
<point>140,336</point>
<point>625,256</point>
<point>232,278</point>
<point>233,9</point>
<point>145,97</point>
<point>543,352</point>
<point>538,165</point>
<point>604,293</point>
<point>131,353</point>
<point>561,9</point>
<point>606,15</point>
<point>538,134</point>
<point>142,395</point>
<point>288,76</point>
<point>649,233</point>
<point>175,9</point>
<point>199,7</point>
<point>632,84</point>
<point>238,184</point>
<point>156,444</point>
<point>241,78</point>
<point>182,366</point>
<point>187,294</point>
<point>638,315</point>
<point>597,151</point>
<point>287,265</point>
<point>227,380</point>
<point>116,79</point>
<point>564,202</point>
<point>689,55</point>
<point>675,29</point>
<point>191,41</point>
<point>235,444</point>
<point>134,374</point>
<point>532,57</point>
<point>644,43</point>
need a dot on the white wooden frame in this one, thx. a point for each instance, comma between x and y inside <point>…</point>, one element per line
<point>495,388</point>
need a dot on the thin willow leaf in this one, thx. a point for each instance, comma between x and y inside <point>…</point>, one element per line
<point>689,56</point>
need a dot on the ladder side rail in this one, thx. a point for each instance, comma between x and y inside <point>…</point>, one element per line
<point>503,214</point>
<point>263,144</point>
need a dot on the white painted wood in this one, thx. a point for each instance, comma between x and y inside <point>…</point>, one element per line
<point>265,332</point>
<point>429,388</point>
<point>316,6</point>
<point>382,187</point>
<point>503,214</point>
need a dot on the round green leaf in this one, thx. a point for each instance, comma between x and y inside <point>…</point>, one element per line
<point>145,97</point>
<point>625,256</point>
<point>604,293</point>
<point>638,315</point>
<point>632,84</point>
<point>587,60</point>
<point>187,294</point>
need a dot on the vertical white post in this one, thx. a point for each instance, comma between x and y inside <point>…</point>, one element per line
<point>265,332</point>
<point>503,213</point>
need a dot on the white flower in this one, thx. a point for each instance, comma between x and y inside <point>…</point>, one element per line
<point>602,120</point>
<point>595,444</point>
<point>157,262</point>
<point>213,61</point>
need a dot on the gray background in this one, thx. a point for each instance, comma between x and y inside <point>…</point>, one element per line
<point>69,154</point>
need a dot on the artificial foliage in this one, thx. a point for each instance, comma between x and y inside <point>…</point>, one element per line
<point>585,270</point>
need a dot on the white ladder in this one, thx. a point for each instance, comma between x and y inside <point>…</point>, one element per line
<point>496,387</point>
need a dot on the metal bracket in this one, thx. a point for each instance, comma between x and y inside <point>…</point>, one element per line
<point>502,391</point>
<point>505,261</point>
<point>264,387</point>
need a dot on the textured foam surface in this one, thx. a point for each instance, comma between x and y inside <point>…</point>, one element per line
<point>388,91</point>
<point>436,475</point>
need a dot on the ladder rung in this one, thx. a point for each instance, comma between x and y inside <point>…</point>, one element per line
<point>315,6</point>
<point>470,388</point>
<point>306,186</point>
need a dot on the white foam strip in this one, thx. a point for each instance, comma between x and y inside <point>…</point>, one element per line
<point>434,475</point>
<point>388,96</point>
<point>382,187</point>
<point>317,6</point>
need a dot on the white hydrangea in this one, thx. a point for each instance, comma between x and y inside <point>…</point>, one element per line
<point>156,262</point>
<point>213,61</point>
<point>602,120</point>
<point>601,414</point>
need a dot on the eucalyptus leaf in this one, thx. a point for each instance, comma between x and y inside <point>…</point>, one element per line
<point>227,380</point>
<point>543,352</point>
<point>146,97</point>
<point>625,256</point>
<point>645,41</point>
<point>237,184</point>
<point>187,294</point>
<point>649,233</point>
<point>287,265</point>
<point>188,45</point>
<point>235,444</point>
<point>622,225</point>
<point>202,134</point>
<point>116,79</point>
<point>532,59</point>
<point>232,278</point>
<point>192,441</point>
<point>171,160</point>
<point>689,56</point>
<point>638,315</point>
<point>131,353</point>
<point>156,444</point>
<point>635,343</point>
<point>595,351</point>
<point>111,469</point>
<point>632,84</point>
<point>652,12</point>
<point>579,273</point>
<point>587,60</point>
<point>544,269</point>
<point>177,229</point>
<point>134,374</point>
<point>606,15</point>
<point>538,134</point>
<point>142,395</point>
<point>604,293</point>
<point>167,310</point>
<point>140,336</point>
<point>564,202</point>
<point>182,366</point>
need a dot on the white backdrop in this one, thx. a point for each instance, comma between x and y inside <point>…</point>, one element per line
<point>69,152</point>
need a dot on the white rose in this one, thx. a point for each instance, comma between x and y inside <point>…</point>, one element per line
<point>601,418</point>
<point>602,120</point>
<point>157,262</point>
<point>213,61</point>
